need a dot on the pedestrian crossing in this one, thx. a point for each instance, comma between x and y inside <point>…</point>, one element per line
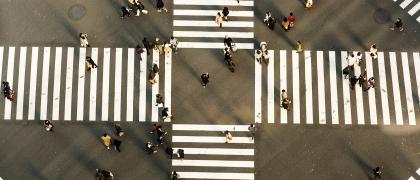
<point>207,156</point>
<point>412,7</point>
<point>418,174</point>
<point>53,83</point>
<point>195,27</point>
<point>321,94</point>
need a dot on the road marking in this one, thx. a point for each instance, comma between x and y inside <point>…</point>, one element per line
<point>105,84</point>
<point>396,88</point>
<point>117,89</point>
<point>199,23</point>
<point>155,88</point>
<point>212,34</point>
<point>32,83</point>
<point>408,92</point>
<point>258,115</point>
<point>69,84</point>
<point>93,81</point>
<point>413,10</point>
<point>418,171</point>
<point>296,94</point>
<point>405,3</point>
<point>283,83</point>
<point>143,86</point>
<point>308,87</point>
<point>359,98</point>
<point>9,74</point>
<point>57,82</point>
<point>411,178</point>
<point>270,87</point>
<point>216,151</point>
<point>130,84</point>
<point>346,91</point>
<point>211,139</point>
<point>383,89</point>
<point>216,175</point>
<point>371,92</point>
<point>191,12</point>
<point>168,83</point>
<point>333,82</point>
<point>44,85</point>
<point>321,88</point>
<point>209,127</point>
<point>21,84</point>
<point>213,163</point>
<point>418,19</point>
<point>213,45</point>
<point>214,2</point>
<point>416,57</point>
<point>81,84</point>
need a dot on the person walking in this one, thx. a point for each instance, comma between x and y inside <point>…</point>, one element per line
<point>252,129</point>
<point>299,48</point>
<point>181,154</point>
<point>146,44</point>
<point>117,145</point>
<point>205,79</point>
<point>285,24</point>
<point>228,137</point>
<point>152,77</point>
<point>151,148</point>
<point>258,56</point>
<point>155,69</point>
<point>103,174</point>
<point>48,125</point>
<point>170,152</point>
<point>228,42</point>
<point>160,6</point>
<point>363,79</point>
<point>106,140</point>
<point>167,48</point>
<point>292,20</point>
<point>160,131</point>
<point>359,57</point>
<point>158,46</point>
<point>83,40</point>
<point>174,44</point>
<point>285,102</point>
<point>398,24</point>
<point>377,173</point>
<point>309,4</point>
<point>373,51</point>
<point>174,175</point>
<point>159,101</point>
<point>353,81</point>
<point>125,12</point>
<point>90,63</point>
<point>119,130</point>
<point>370,83</point>
<point>154,128</point>
<point>219,19</point>
<point>225,13</point>
<point>165,113</point>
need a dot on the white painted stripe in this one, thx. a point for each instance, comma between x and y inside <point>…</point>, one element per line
<point>168,83</point>
<point>416,57</point>
<point>371,92</point>
<point>69,84</point>
<point>155,88</point>
<point>359,98</point>
<point>258,79</point>
<point>346,91</point>
<point>9,74</point>
<point>216,151</point>
<point>308,88</point>
<point>93,88</point>
<point>32,83</point>
<point>418,171</point>
<point>214,2</point>
<point>130,84</point>
<point>193,12</point>
<point>213,163</point>
<point>270,87</point>
<point>408,92</point>
<point>213,34</point>
<point>117,86</point>
<point>296,94</point>
<point>405,3</point>
<point>81,84</point>
<point>418,19</point>
<point>321,87</point>
<point>143,86</point>
<point>211,139</point>
<point>212,45</point>
<point>283,83</point>
<point>105,84</point>
<point>396,88</point>
<point>383,89</point>
<point>215,175</point>
<point>413,10</point>
<point>57,81</point>
<point>411,178</point>
<point>44,86</point>
<point>208,127</point>
<point>333,83</point>
<point>198,23</point>
<point>395,0</point>
<point>21,84</point>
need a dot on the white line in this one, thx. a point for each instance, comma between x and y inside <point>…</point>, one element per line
<point>215,175</point>
<point>213,45</point>
<point>418,171</point>
<point>69,84</point>
<point>383,89</point>
<point>93,86</point>
<point>209,127</point>
<point>416,57</point>
<point>270,87</point>
<point>371,92</point>
<point>283,82</point>
<point>44,86</point>
<point>105,84</point>
<point>155,88</point>
<point>211,139</point>
<point>168,83</point>
<point>212,34</point>
<point>1,60</point>
<point>413,10</point>
<point>333,83</point>
<point>296,94</point>
<point>32,83</point>
<point>81,84</point>
<point>405,3</point>
<point>130,85</point>
<point>321,87</point>
<point>191,12</point>
<point>418,19</point>
<point>396,88</point>
<point>9,74</point>
<point>117,86</point>
<point>346,91</point>
<point>143,86</point>
<point>57,81</point>
<point>21,84</point>
<point>213,163</point>
<point>217,151</point>
<point>214,2</point>
<point>359,98</point>
<point>308,88</point>
<point>258,115</point>
<point>408,92</point>
<point>411,178</point>
<point>198,23</point>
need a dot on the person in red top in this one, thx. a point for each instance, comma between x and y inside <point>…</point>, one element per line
<point>292,20</point>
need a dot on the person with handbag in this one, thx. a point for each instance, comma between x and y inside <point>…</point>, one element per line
<point>219,19</point>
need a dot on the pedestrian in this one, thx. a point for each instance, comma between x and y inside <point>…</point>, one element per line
<point>106,140</point>
<point>180,154</point>
<point>309,4</point>
<point>119,130</point>
<point>154,128</point>
<point>167,47</point>
<point>160,6</point>
<point>139,50</point>
<point>225,13</point>
<point>271,22</point>
<point>160,131</point>
<point>7,91</point>
<point>292,20</point>
<point>146,44</point>
<point>219,19</point>
<point>90,63</point>
<point>48,125</point>
<point>155,68</point>
<point>299,48</point>
<point>363,79</point>
<point>170,152</point>
<point>377,173</point>
<point>159,140</point>
<point>370,83</point>
<point>83,40</point>
<point>205,79</point>
<point>165,113</point>
<point>175,175</point>
<point>258,56</point>
<point>353,81</point>
<point>285,24</point>
<point>125,12</point>
<point>151,148</point>
<point>159,101</point>
<point>252,129</point>
<point>117,145</point>
<point>397,24</point>
<point>228,42</point>
<point>140,7</point>
<point>228,137</point>
<point>103,174</point>
<point>285,99</point>
<point>174,44</point>
<point>373,51</point>
<point>158,46</point>
<point>358,56</point>
<point>152,77</point>
<point>267,16</point>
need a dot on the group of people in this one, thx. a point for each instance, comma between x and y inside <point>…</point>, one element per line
<point>251,129</point>
<point>355,58</point>
<point>262,53</point>
<point>219,18</point>
<point>229,49</point>
<point>134,5</point>
<point>106,138</point>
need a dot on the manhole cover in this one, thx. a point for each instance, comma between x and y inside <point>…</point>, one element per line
<point>381,16</point>
<point>76,12</point>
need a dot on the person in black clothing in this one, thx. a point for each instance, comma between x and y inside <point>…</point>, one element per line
<point>225,13</point>
<point>170,152</point>
<point>48,125</point>
<point>125,12</point>
<point>146,44</point>
<point>228,42</point>
<point>377,173</point>
<point>160,6</point>
<point>119,130</point>
<point>104,174</point>
<point>151,148</point>
<point>271,22</point>
<point>353,81</point>
<point>155,68</point>
<point>181,154</point>
<point>398,24</point>
<point>165,113</point>
<point>205,79</point>
<point>174,175</point>
<point>91,62</point>
<point>117,144</point>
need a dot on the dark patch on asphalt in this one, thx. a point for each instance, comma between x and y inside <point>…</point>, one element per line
<point>77,12</point>
<point>381,16</point>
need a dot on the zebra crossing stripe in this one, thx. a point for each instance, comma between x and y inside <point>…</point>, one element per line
<point>296,94</point>
<point>214,2</point>
<point>216,175</point>
<point>413,10</point>
<point>199,23</point>
<point>283,82</point>
<point>105,84</point>
<point>333,82</point>
<point>411,178</point>
<point>117,89</point>
<point>143,79</point>
<point>408,92</point>
<point>258,80</point>
<point>211,45</point>
<point>44,86</point>
<point>168,83</point>
<point>346,91</point>
<point>416,58</point>
<point>359,99</point>
<point>57,82</point>
<point>69,84</point>
<point>418,171</point>
<point>371,93</point>
<point>383,89</point>
<point>396,88</point>
<point>209,127</point>
<point>155,88</point>
<point>217,151</point>
<point>405,3</point>
<point>418,19</point>
<point>211,139</point>
<point>93,81</point>
<point>270,87</point>
<point>32,83</point>
<point>321,88</point>
<point>192,12</point>
<point>308,87</point>
<point>130,85</point>
<point>21,84</point>
<point>212,34</point>
<point>10,65</point>
<point>213,163</point>
<point>81,84</point>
